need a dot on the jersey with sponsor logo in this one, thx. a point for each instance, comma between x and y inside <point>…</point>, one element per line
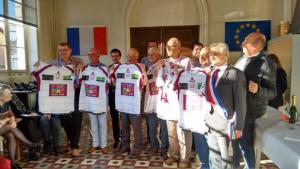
<point>56,88</point>
<point>167,105</point>
<point>192,100</point>
<point>94,89</point>
<point>129,82</point>
<point>151,89</point>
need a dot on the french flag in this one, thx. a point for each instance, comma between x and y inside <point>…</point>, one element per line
<point>82,39</point>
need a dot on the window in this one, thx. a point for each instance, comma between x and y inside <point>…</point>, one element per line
<point>18,34</point>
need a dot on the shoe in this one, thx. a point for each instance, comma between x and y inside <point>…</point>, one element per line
<point>116,144</point>
<point>184,164</point>
<point>154,152</point>
<point>124,150</point>
<point>76,152</point>
<point>34,155</point>
<point>46,147</point>
<point>56,151</point>
<point>164,156</point>
<point>104,150</point>
<point>92,149</point>
<point>14,165</point>
<point>170,160</point>
<point>136,154</point>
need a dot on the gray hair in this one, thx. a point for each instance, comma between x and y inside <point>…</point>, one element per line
<point>220,48</point>
<point>175,41</point>
<point>4,87</point>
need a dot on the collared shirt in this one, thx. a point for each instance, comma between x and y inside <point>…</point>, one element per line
<point>73,60</point>
<point>221,72</point>
<point>99,64</point>
<point>242,63</point>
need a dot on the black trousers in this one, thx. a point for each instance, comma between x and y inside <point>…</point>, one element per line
<point>72,123</point>
<point>29,126</point>
<point>114,114</point>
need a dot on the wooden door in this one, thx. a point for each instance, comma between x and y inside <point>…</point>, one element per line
<point>139,36</point>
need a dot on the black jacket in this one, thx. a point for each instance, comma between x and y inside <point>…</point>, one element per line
<point>261,70</point>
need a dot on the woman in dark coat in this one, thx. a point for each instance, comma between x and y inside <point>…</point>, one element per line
<point>281,83</point>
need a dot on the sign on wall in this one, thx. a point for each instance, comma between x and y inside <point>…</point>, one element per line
<point>235,32</point>
<point>82,39</point>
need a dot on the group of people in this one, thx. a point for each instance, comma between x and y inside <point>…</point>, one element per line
<point>204,101</point>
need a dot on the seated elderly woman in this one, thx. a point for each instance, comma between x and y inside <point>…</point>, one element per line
<point>8,125</point>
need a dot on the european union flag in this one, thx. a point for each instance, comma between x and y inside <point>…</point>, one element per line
<point>235,32</point>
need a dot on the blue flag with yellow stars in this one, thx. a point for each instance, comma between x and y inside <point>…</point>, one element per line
<point>235,32</point>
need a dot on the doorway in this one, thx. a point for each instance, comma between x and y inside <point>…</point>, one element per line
<point>139,36</point>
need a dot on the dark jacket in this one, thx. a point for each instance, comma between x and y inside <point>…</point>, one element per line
<point>260,70</point>
<point>231,89</point>
<point>281,85</point>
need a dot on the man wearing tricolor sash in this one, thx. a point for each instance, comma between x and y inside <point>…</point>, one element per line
<point>167,107</point>
<point>94,99</point>
<point>226,91</point>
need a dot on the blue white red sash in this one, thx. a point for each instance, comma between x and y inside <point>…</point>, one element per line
<point>214,99</point>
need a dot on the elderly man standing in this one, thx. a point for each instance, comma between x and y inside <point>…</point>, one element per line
<point>93,99</point>
<point>260,73</point>
<point>226,91</point>
<point>180,141</point>
<point>129,80</point>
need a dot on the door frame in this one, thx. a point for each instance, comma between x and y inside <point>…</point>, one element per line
<point>202,7</point>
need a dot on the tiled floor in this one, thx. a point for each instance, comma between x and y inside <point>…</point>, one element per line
<point>97,160</point>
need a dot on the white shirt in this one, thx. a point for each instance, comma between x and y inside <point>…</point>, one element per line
<point>242,63</point>
<point>221,72</point>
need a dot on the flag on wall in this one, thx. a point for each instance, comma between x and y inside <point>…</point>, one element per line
<point>82,39</point>
<point>235,32</point>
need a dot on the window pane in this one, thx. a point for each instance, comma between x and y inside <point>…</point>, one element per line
<point>30,15</point>
<point>2,33</point>
<point>16,34</point>
<point>31,3</point>
<point>1,8</point>
<point>3,65</point>
<point>14,10</point>
<point>18,59</point>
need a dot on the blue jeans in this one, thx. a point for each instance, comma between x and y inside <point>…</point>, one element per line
<point>163,136</point>
<point>245,145</point>
<point>202,149</point>
<point>152,122</point>
<point>51,128</point>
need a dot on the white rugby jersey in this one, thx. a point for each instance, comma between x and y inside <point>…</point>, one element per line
<point>167,106</point>
<point>192,100</point>
<point>94,89</point>
<point>151,89</point>
<point>129,82</point>
<point>56,88</point>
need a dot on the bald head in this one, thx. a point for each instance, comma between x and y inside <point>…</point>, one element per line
<point>173,48</point>
<point>133,55</point>
<point>254,43</point>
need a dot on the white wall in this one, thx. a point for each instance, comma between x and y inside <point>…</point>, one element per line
<point>119,15</point>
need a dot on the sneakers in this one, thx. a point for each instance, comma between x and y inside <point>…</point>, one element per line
<point>76,152</point>
<point>184,164</point>
<point>170,160</point>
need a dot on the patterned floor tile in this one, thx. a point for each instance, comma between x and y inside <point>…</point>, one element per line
<point>97,160</point>
<point>115,163</point>
<point>142,164</point>
<point>89,162</point>
<point>63,161</point>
